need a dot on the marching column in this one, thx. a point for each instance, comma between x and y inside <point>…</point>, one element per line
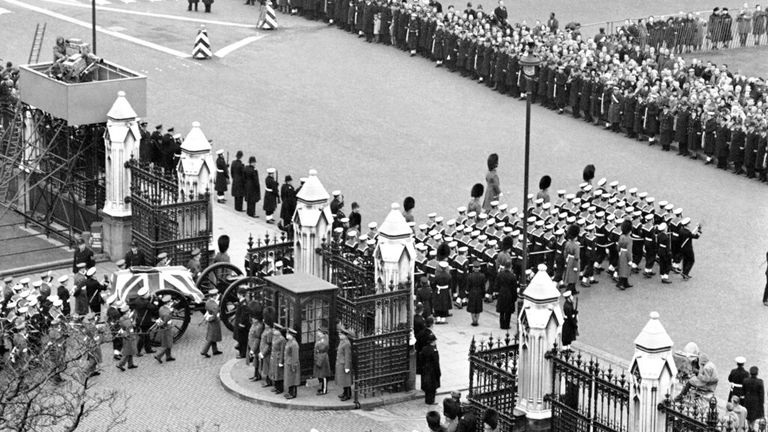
<point>652,376</point>
<point>202,49</point>
<point>312,223</point>
<point>539,323</point>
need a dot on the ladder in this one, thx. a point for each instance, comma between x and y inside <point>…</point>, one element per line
<point>11,149</point>
<point>37,43</point>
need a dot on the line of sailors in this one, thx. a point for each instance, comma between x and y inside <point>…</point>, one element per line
<point>659,233</point>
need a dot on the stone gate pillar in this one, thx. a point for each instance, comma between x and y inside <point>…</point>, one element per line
<point>195,179</point>
<point>312,223</point>
<point>651,377</point>
<point>121,140</point>
<point>394,259</point>
<point>539,324</point>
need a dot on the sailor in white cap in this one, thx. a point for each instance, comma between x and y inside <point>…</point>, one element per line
<point>63,293</point>
<point>686,237</point>
<point>441,286</point>
<point>571,320</point>
<point>736,378</point>
<point>163,260</point>
<point>93,290</point>
<point>222,176</point>
<point>373,230</point>
<point>664,252</point>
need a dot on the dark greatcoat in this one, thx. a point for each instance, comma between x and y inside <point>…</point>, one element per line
<point>625,255</point>
<point>572,255</point>
<point>93,290</point>
<point>222,176</point>
<point>754,398</point>
<point>506,286</point>
<point>476,292</point>
<point>213,329</point>
<point>288,196</point>
<point>442,297</point>
<point>270,194</point>
<point>343,361</point>
<point>238,178</point>
<point>421,342</point>
<point>251,184</point>
<point>430,378</point>
<point>570,323</point>
<point>737,376</point>
<point>84,256</point>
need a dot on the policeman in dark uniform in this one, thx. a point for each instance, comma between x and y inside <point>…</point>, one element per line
<point>145,144</point>
<point>156,140</point>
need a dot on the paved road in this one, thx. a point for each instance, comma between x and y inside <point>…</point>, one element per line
<point>379,125</point>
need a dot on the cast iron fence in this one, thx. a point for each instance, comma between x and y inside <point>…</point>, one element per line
<point>378,314</point>
<point>683,416</point>
<point>586,397</point>
<point>493,379</point>
<point>165,219</point>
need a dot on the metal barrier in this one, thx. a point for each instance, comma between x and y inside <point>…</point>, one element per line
<point>493,379</point>
<point>586,397</point>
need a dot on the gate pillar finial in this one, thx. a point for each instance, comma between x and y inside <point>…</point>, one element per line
<point>651,376</point>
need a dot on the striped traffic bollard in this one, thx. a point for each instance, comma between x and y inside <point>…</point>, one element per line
<point>270,20</point>
<point>202,48</point>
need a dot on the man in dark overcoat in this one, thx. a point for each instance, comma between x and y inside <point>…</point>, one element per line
<point>242,324</point>
<point>251,186</point>
<point>288,198</point>
<point>754,397</point>
<point>475,292</point>
<point>506,286</point>
<point>571,320</point>
<point>222,176</point>
<point>271,197</point>
<point>238,180</point>
<point>430,378</point>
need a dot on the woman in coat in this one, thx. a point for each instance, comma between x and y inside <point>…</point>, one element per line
<point>430,378</point>
<point>475,292</point>
<point>344,365</point>
<point>276,365</point>
<point>492,186</point>
<point>625,256</point>
<point>213,327</point>
<point>321,368</point>
<point>571,252</point>
<point>292,369</point>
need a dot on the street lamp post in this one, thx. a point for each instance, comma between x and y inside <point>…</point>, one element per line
<point>529,64</point>
<point>93,26</point>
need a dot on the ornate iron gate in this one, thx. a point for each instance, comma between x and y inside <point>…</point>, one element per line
<point>587,397</point>
<point>493,379</point>
<point>165,220</point>
<point>380,351</point>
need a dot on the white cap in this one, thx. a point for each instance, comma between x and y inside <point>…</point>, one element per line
<point>443,264</point>
<point>461,209</point>
<point>373,225</point>
<point>678,211</point>
<point>662,226</point>
<point>37,283</point>
<point>63,279</point>
<point>494,203</point>
<point>91,271</point>
<point>143,291</point>
<point>567,294</point>
<point>439,219</point>
<point>740,360</point>
<point>685,221</point>
<point>24,281</point>
<point>220,151</point>
<point>642,195</point>
<point>432,215</point>
<point>271,170</point>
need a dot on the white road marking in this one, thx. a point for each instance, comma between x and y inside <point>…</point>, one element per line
<point>128,38</point>
<point>103,2</point>
<point>128,1</point>
<point>237,45</point>
<point>4,11</point>
<point>153,15</point>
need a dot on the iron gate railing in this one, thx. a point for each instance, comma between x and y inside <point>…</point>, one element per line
<point>683,416</point>
<point>587,397</point>
<point>493,379</point>
<point>378,314</point>
<point>165,220</point>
